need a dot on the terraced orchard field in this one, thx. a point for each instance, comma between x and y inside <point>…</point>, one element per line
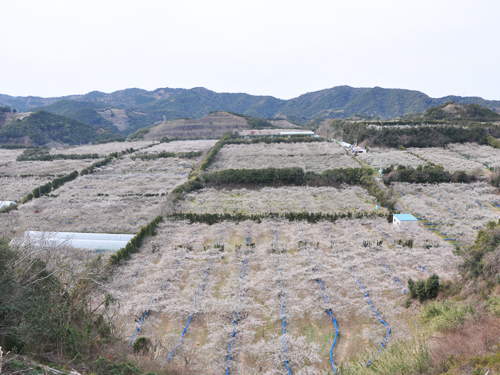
<point>296,280</point>
<point>280,200</point>
<point>314,156</point>
<point>201,284</point>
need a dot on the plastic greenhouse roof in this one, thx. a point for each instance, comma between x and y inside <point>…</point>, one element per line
<point>89,241</point>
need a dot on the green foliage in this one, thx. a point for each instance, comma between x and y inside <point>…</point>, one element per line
<point>400,358</point>
<point>423,290</point>
<point>214,150</point>
<point>481,259</point>
<point>432,286</point>
<point>310,217</point>
<point>420,290</point>
<point>293,175</point>
<point>414,135</point>
<point>493,142</point>
<point>443,315</point>
<point>43,127</point>
<point>142,345</point>
<point>43,154</point>
<point>40,315</point>
<point>82,111</point>
<point>135,243</point>
<point>103,366</point>
<point>411,288</point>
<point>425,174</point>
<point>165,154</point>
<point>187,187</point>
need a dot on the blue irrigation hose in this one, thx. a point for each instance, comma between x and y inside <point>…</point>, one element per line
<point>146,312</point>
<point>192,313</point>
<point>283,314</point>
<point>328,311</point>
<point>235,320</point>
<point>378,317</point>
<point>395,278</point>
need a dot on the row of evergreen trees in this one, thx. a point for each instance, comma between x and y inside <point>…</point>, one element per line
<point>310,217</point>
<point>135,243</point>
<point>293,175</point>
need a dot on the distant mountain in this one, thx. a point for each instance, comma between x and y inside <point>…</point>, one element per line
<point>132,109</point>
<point>41,127</point>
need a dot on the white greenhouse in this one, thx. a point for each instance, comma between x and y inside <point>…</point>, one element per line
<point>88,241</point>
<point>5,204</point>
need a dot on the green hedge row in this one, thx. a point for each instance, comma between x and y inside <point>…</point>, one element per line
<point>46,188</point>
<point>165,154</point>
<point>135,243</point>
<point>310,217</point>
<point>214,150</point>
<point>294,175</point>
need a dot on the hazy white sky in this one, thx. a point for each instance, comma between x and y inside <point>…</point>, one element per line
<point>265,47</point>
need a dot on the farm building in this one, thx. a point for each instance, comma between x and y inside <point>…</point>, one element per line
<point>344,144</point>
<point>359,150</point>
<point>5,204</point>
<point>403,219</point>
<point>88,241</point>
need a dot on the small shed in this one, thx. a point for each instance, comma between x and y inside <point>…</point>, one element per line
<point>403,219</point>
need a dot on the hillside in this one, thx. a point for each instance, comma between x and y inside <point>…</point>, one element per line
<point>133,109</point>
<point>41,128</point>
<point>452,110</point>
<point>211,126</point>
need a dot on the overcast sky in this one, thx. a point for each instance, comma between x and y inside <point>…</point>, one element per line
<point>271,47</point>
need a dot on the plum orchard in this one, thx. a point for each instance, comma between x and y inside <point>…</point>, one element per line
<point>182,146</point>
<point>120,197</point>
<point>455,211</point>
<point>479,153</point>
<point>382,158</point>
<point>279,200</point>
<point>16,188</point>
<point>257,346</point>
<point>101,149</point>
<point>451,161</point>
<point>44,168</point>
<point>314,156</point>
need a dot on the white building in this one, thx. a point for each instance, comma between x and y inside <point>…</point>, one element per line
<point>359,150</point>
<point>404,219</point>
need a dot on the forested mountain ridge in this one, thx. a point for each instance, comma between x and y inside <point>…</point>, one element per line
<point>133,109</point>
